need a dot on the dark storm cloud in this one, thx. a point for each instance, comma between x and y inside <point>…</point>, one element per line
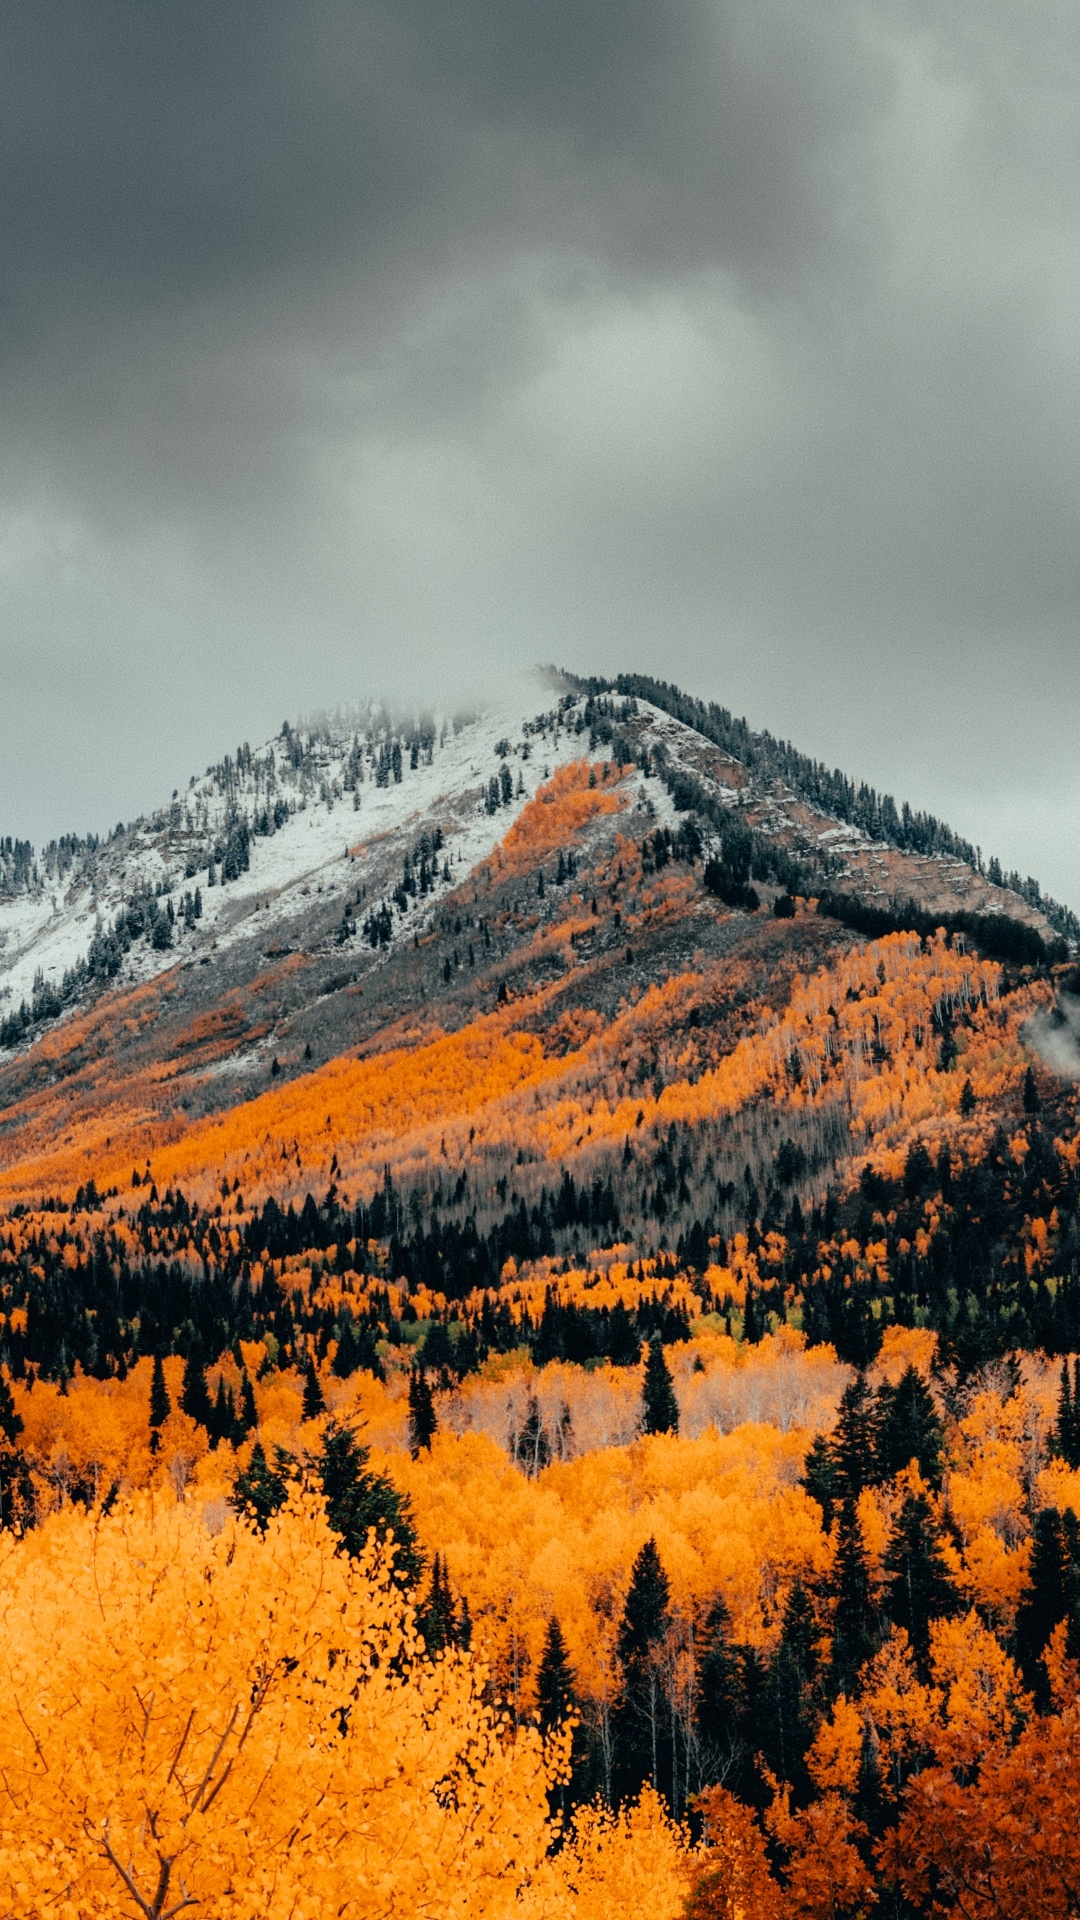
<point>342,345</point>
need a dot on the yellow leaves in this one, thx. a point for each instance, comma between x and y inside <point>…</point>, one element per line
<point>635,1862</point>
<point>248,1717</point>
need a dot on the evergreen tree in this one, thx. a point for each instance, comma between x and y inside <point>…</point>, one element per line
<point>436,1616</point>
<point>661,1409</point>
<point>908,1429</point>
<point>719,1712</point>
<point>821,1478</point>
<point>258,1491</point>
<point>919,1588</point>
<point>854,1443</point>
<point>555,1697</point>
<point>347,1357</point>
<point>358,1501</point>
<point>1066,1439</point>
<point>314,1404</point>
<point>854,1636</point>
<point>16,1485</point>
<point>1052,1595</point>
<point>423,1423</point>
<point>160,1404</point>
<point>248,1416</point>
<point>790,1679</point>
<point>11,1422</point>
<point>968,1101</point>
<point>195,1398</point>
<point>1031,1099</point>
<point>643,1748</point>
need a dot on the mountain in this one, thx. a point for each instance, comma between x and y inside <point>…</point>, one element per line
<point>540,1305</point>
<point>528,987</point>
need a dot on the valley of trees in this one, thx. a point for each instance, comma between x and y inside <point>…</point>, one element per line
<point>585,1452</point>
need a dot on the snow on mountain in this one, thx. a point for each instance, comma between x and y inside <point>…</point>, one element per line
<point>307,813</point>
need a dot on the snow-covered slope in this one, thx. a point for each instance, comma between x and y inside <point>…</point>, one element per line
<point>257,849</point>
<point>309,815</point>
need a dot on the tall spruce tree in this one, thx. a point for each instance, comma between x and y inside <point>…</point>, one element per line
<point>258,1491</point>
<point>314,1403</point>
<point>195,1398</point>
<point>854,1628</point>
<point>908,1428</point>
<point>821,1478</point>
<point>1052,1595</point>
<point>719,1710</point>
<point>1066,1440</point>
<point>918,1586</point>
<point>436,1616</point>
<point>423,1422</point>
<point>854,1442</point>
<point>790,1692</point>
<point>661,1409</point>
<point>160,1404</point>
<point>359,1501</point>
<point>555,1694</point>
<point>643,1746</point>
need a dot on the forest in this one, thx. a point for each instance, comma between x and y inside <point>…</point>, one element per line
<point>617,1440</point>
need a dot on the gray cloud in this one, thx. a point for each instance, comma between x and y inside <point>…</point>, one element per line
<point>347,347</point>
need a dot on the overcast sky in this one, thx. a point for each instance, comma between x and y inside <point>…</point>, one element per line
<point>391,345</point>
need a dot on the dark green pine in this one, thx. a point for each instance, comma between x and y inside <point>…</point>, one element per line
<point>1052,1595</point>
<point>821,1478</point>
<point>11,1424</point>
<point>195,1399</point>
<point>423,1422</point>
<point>661,1409</point>
<point>436,1616</point>
<point>555,1695</point>
<point>160,1404</point>
<point>854,1634</point>
<point>248,1417</point>
<point>909,1429</point>
<point>359,1501</point>
<point>854,1442</point>
<point>645,1614</point>
<point>918,1588</point>
<point>314,1404</point>
<point>258,1492</point>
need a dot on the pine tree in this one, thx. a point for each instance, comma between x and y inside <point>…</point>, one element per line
<point>11,1423</point>
<point>661,1409</point>
<point>258,1491</point>
<point>719,1708</point>
<point>788,1703</point>
<point>1032,1103</point>
<point>314,1404</point>
<point>821,1478</point>
<point>854,1442</point>
<point>347,1357</point>
<point>160,1404</point>
<point>358,1501</point>
<point>195,1398</point>
<point>968,1102</point>
<point>642,1737</point>
<point>919,1588</point>
<point>555,1696</point>
<point>1052,1595</point>
<point>248,1416</point>
<point>854,1636</point>
<point>1067,1425</point>
<point>908,1428</point>
<point>436,1616</point>
<point>423,1423</point>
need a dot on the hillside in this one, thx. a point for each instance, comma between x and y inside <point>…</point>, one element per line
<point>666,1156</point>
